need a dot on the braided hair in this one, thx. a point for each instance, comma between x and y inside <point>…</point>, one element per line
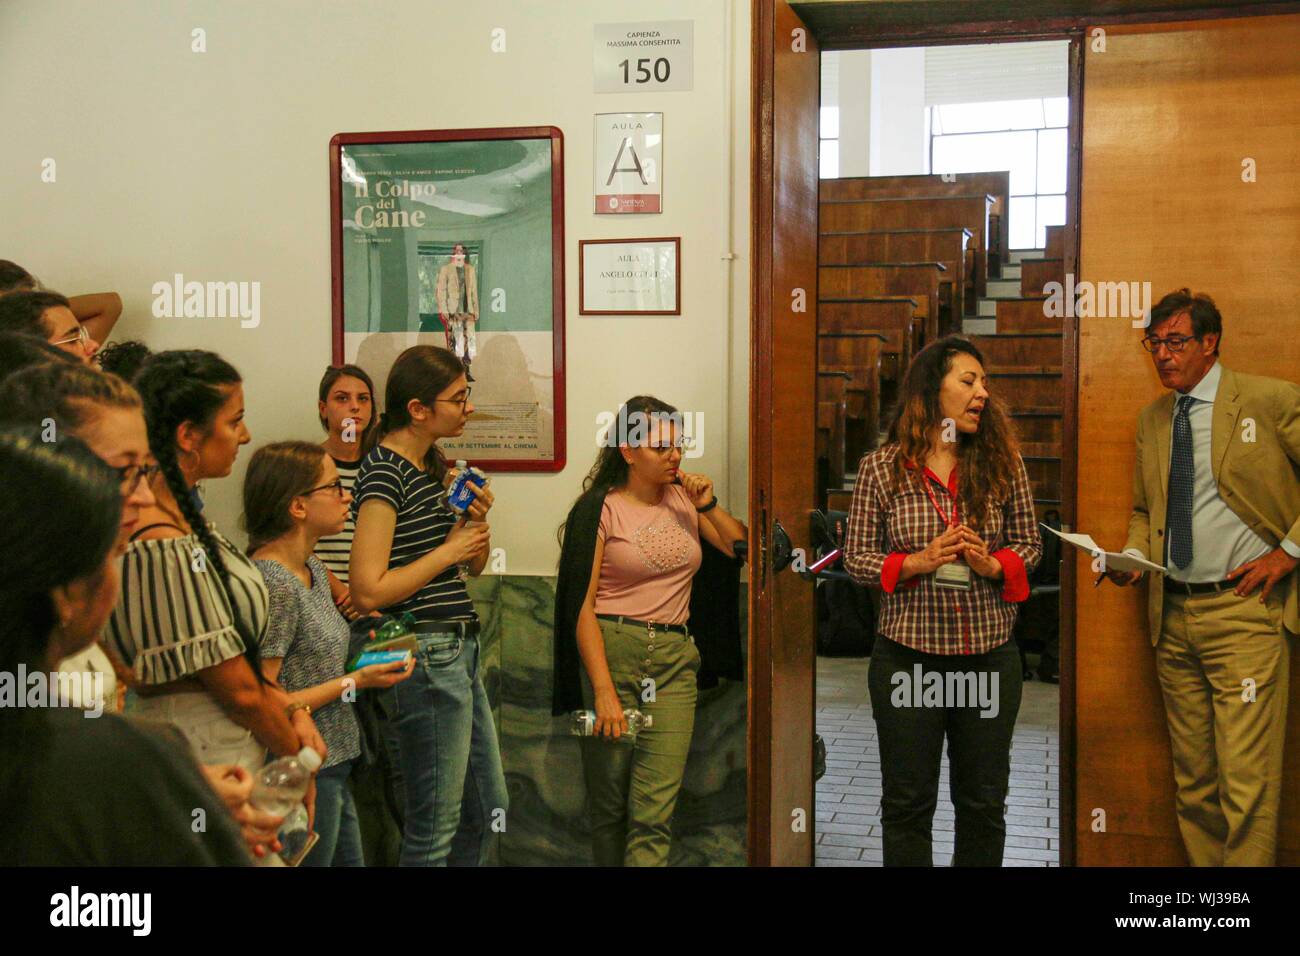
<point>187,386</point>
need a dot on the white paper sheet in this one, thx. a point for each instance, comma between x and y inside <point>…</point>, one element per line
<point>1115,560</point>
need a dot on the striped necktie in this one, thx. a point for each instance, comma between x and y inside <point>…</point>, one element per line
<point>1182,474</point>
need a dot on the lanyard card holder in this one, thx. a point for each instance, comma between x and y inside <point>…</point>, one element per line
<point>955,576</point>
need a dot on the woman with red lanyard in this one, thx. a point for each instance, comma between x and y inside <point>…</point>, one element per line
<point>942,522</point>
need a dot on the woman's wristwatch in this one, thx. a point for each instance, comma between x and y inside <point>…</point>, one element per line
<point>710,506</point>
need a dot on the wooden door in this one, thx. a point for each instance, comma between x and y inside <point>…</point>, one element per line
<point>783,407</point>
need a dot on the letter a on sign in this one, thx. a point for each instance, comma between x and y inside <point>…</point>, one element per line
<point>629,163</point>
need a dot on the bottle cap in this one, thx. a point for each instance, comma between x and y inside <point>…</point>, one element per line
<point>309,759</point>
<point>461,463</point>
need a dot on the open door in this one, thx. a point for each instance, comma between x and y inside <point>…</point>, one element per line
<point>783,404</point>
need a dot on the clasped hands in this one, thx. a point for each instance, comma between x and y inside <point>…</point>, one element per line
<point>958,541</point>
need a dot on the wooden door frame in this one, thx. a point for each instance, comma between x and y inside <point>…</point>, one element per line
<point>781,668</point>
<point>859,25</point>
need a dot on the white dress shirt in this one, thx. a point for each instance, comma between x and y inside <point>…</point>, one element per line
<point>1220,540</point>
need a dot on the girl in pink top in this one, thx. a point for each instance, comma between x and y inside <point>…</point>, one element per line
<point>633,631</point>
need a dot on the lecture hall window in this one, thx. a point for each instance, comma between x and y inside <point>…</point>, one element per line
<point>828,146</point>
<point>1027,137</point>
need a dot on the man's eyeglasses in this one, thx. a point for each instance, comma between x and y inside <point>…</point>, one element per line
<point>1175,343</point>
<point>462,402</point>
<point>336,485</point>
<point>132,475</point>
<point>81,337</point>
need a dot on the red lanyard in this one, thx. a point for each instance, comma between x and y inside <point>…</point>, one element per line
<point>956,602</point>
<point>935,501</point>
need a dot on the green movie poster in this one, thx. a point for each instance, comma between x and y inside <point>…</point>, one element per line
<point>451,243</point>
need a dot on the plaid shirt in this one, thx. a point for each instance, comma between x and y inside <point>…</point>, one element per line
<point>884,528</point>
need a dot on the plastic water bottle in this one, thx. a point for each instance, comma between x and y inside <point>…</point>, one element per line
<point>280,788</point>
<point>584,722</point>
<point>460,496</point>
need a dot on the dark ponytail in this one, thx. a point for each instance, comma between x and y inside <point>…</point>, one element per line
<point>179,387</point>
<point>419,373</point>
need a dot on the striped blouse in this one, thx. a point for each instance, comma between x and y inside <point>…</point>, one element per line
<point>173,617</point>
<point>334,550</point>
<point>423,521</point>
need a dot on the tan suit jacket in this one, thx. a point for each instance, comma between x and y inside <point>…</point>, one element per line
<point>1259,481</point>
<point>447,290</point>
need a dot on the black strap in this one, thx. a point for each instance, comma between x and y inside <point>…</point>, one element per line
<point>156,524</point>
<point>676,628</point>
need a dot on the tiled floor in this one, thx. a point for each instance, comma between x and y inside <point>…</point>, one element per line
<point>848,797</point>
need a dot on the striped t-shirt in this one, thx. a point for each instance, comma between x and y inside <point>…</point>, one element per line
<point>423,521</point>
<point>334,550</point>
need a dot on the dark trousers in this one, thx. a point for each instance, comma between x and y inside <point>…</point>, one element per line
<point>975,706</point>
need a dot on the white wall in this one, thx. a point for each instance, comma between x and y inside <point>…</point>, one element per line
<point>214,165</point>
<point>855,112</point>
<point>898,142</point>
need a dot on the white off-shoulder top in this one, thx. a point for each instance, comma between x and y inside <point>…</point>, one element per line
<point>173,616</point>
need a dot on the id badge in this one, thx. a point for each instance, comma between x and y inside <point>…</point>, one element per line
<point>955,575</point>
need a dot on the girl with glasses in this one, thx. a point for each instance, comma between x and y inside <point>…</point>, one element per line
<point>405,553</point>
<point>104,412</point>
<point>625,624</point>
<point>292,497</point>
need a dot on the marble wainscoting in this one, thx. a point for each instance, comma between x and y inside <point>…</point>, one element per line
<point>547,821</point>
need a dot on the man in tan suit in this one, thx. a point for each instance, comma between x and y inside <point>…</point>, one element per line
<point>457,296</point>
<point>1216,500</point>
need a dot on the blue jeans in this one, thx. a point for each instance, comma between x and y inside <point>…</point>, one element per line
<point>447,764</point>
<point>336,820</point>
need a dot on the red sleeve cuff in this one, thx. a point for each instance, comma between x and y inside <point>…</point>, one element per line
<point>1015,580</point>
<point>890,571</point>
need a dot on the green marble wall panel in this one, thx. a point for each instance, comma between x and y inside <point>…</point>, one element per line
<point>547,822</point>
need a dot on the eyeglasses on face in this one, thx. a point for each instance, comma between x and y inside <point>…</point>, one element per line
<point>681,444</point>
<point>132,475</point>
<point>1175,343</point>
<point>336,485</point>
<point>81,337</point>
<point>462,402</point>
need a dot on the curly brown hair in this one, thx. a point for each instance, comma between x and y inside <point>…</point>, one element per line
<point>987,460</point>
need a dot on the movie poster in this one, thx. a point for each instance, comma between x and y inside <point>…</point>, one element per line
<point>455,239</point>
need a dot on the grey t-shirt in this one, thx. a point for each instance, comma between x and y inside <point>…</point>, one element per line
<point>308,632</point>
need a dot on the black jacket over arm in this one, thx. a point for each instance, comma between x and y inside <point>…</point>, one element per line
<point>714,610</point>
